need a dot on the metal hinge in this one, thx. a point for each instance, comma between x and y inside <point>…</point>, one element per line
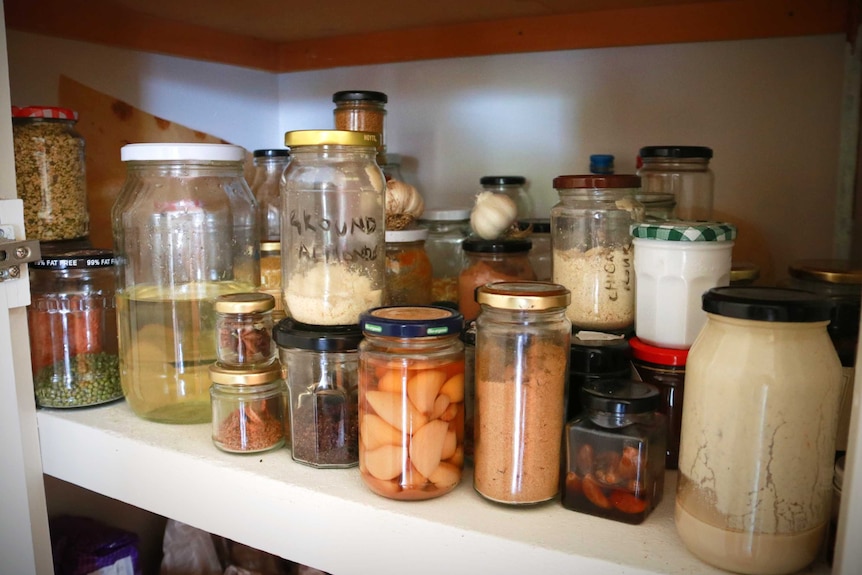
<point>14,253</point>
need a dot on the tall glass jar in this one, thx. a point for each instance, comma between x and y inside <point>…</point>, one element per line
<point>334,264</point>
<point>268,166</point>
<point>411,401</point>
<point>757,446</point>
<point>513,186</point>
<point>408,268</point>
<point>504,259</point>
<point>362,111</point>
<point>592,249</point>
<point>185,231</point>
<point>50,172</point>
<point>447,229</point>
<point>522,354</point>
<point>682,171</point>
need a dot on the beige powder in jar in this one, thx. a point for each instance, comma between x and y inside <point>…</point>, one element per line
<point>330,294</point>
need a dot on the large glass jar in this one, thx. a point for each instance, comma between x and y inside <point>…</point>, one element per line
<point>447,229</point>
<point>513,186</point>
<point>73,329</point>
<point>504,259</point>
<point>683,172</point>
<point>269,164</point>
<point>333,256</point>
<point>408,268</point>
<point>757,447</point>
<point>592,249</point>
<point>185,231</point>
<point>50,173</point>
<point>411,401</point>
<point>522,355</point>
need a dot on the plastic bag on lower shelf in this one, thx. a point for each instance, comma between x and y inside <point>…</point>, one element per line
<point>84,546</point>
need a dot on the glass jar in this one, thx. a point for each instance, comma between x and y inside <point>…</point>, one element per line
<point>840,282</point>
<point>594,356</point>
<point>185,232</point>
<point>515,188</point>
<point>50,173</point>
<point>411,401</point>
<point>658,207</point>
<point>247,408</point>
<point>743,273</point>
<point>592,249</point>
<point>468,337</point>
<point>684,172</point>
<point>333,221</point>
<point>244,329</point>
<point>362,111</point>
<point>391,166</point>
<point>447,229</point>
<point>665,369</point>
<point>73,329</point>
<point>268,167</point>
<point>540,254</point>
<point>270,276</point>
<point>488,261</point>
<point>675,262</point>
<point>615,452</point>
<point>755,471</point>
<point>408,268</point>
<point>322,366</point>
<point>522,355</point>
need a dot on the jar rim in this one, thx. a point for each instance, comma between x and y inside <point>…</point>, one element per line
<point>524,295</point>
<point>289,333</point>
<point>669,152</point>
<point>244,302</point>
<point>596,181</point>
<point>620,396</point>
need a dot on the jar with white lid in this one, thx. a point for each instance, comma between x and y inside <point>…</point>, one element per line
<point>332,229</point>
<point>447,229</point>
<point>408,268</point>
<point>675,262</point>
<point>684,173</point>
<point>244,329</point>
<point>269,165</point>
<point>757,444</point>
<point>513,186</point>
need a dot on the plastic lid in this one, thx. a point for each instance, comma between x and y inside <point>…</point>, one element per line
<point>46,112</point>
<point>596,352</point>
<point>270,247</point>
<point>403,236</point>
<point>289,333</point>
<point>826,270</point>
<point>620,396</point>
<point>523,295</point>
<point>202,152</point>
<point>244,375</point>
<point>76,259</point>
<point>331,138</point>
<point>683,231</point>
<point>250,302</point>
<point>454,214</point>
<point>408,321</point>
<point>676,152</point>
<point>657,355</point>
<point>503,180</point>
<point>592,181</point>
<point>767,304</point>
<point>498,246</point>
<point>271,153</point>
<point>365,95</point>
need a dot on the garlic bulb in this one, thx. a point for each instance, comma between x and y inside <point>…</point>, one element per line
<point>492,215</point>
<point>404,204</point>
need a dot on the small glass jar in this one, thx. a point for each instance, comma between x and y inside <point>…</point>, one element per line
<point>268,167</point>
<point>675,262</point>
<point>592,249</point>
<point>615,452</point>
<point>447,229</point>
<point>513,186</point>
<point>50,172</point>
<point>522,354</point>
<point>665,369</point>
<point>595,356</point>
<point>488,261</point>
<point>270,276</point>
<point>755,473</point>
<point>244,329</point>
<point>333,221</point>
<point>322,367</point>
<point>73,329</point>
<point>361,111</point>
<point>684,172</point>
<point>408,268</point>
<point>411,401</point>
<point>247,408</point>
<point>540,253</point>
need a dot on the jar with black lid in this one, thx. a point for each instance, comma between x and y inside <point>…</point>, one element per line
<point>269,165</point>
<point>485,261</point>
<point>362,111</point>
<point>515,188</point>
<point>684,173</point>
<point>595,356</point>
<point>73,328</point>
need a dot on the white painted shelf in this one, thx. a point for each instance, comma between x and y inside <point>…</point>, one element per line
<point>328,519</point>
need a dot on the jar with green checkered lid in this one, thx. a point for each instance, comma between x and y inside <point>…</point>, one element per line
<point>675,262</point>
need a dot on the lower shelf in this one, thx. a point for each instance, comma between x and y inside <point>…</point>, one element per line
<point>328,519</point>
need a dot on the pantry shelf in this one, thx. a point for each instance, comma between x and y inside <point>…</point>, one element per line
<point>329,520</point>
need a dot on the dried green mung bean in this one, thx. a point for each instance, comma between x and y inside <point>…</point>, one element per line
<point>86,379</point>
<point>49,168</point>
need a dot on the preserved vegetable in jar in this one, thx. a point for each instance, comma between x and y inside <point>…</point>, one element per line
<point>408,269</point>
<point>485,261</point>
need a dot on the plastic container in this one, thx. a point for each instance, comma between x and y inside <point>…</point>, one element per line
<point>684,172</point>
<point>73,329</point>
<point>602,164</point>
<point>322,367</point>
<point>411,401</point>
<point>522,354</point>
<point>675,262</point>
<point>757,448</point>
<point>247,408</point>
<point>268,167</point>
<point>408,268</point>
<point>488,261</point>
<point>595,356</point>
<point>362,111</point>
<point>513,186</point>
<point>615,452</point>
<point>333,221</point>
<point>50,172</point>
<point>244,330</point>
<point>175,202</point>
<point>447,229</point>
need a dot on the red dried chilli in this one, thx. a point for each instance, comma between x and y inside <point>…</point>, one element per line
<point>244,329</point>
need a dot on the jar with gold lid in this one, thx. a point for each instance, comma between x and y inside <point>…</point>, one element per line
<point>244,329</point>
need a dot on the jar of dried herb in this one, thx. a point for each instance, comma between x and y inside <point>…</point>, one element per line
<point>361,111</point>
<point>244,329</point>
<point>247,408</point>
<point>50,172</point>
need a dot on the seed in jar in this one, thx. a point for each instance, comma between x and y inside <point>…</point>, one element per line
<point>423,387</point>
<point>426,446</point>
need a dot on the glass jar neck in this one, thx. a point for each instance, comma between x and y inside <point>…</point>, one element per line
<point>611,420</point>
<point>306,153</point>
<point>676,164</point>
<point>519,316</point>
<point>184,168</point>
<point>271,164</point>
<point>603,195</point>
<point>241,389</point>
<point>411,344</point>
